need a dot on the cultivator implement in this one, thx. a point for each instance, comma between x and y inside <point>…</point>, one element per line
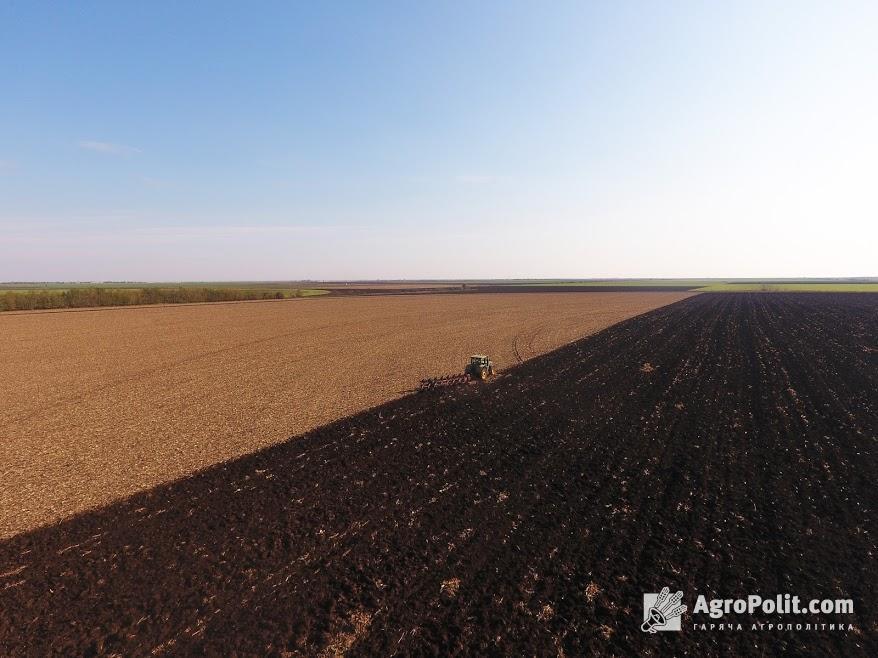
<point>439,382</point>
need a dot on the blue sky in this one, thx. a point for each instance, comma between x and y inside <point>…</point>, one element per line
<point>193,141</point>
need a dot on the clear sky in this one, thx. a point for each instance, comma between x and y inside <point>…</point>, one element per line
<point>211,141</point>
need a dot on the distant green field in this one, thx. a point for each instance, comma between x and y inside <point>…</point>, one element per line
<point>60,286</point>
<point>790,287</point>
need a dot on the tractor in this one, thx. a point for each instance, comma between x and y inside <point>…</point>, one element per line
<point>480,367</point>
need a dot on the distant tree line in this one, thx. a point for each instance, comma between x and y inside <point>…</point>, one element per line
<point>85,297</point>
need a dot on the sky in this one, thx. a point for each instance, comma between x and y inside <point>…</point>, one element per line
<point>166,141</point>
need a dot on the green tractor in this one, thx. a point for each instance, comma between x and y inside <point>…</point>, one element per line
<point>480,367</point>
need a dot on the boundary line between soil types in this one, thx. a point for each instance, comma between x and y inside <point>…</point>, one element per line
<point>183,412</point>
<point>502,374</point>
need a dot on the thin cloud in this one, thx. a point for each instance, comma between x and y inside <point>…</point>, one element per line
<point>108,148</point>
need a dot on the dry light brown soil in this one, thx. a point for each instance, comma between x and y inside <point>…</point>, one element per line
<point>100,404</point>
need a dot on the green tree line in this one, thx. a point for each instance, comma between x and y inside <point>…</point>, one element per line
<point>85,297</point>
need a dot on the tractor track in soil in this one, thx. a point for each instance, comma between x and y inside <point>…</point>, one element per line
<point>528,339</point>
<point>526,516</point>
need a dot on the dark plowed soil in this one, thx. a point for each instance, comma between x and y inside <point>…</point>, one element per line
<point>724,445</point>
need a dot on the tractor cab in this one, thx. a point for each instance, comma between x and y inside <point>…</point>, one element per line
<point>479,360</point>
<point>480,367</point>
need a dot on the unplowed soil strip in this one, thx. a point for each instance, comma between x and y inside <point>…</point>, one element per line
<point>95,406</point>
<point>523,517</point>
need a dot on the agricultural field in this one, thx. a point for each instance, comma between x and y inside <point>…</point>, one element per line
<point>794,286</point>
<point>100,404</point>
<point>723,444</point>
<point>48,296</point>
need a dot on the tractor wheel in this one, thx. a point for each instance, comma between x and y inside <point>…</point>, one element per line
<point>483,374</point>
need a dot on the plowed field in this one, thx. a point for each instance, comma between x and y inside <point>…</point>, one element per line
<point>724,445</point>
<point>98,404</point>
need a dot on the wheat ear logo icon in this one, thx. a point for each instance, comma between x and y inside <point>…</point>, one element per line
<point>663,610</point>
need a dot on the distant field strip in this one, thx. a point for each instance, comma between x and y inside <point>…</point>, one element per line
<point>790,287</point>
<point>708,285</point>
<point>102,404</point>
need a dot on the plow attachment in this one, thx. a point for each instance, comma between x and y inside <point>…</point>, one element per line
<point>439,382</point>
